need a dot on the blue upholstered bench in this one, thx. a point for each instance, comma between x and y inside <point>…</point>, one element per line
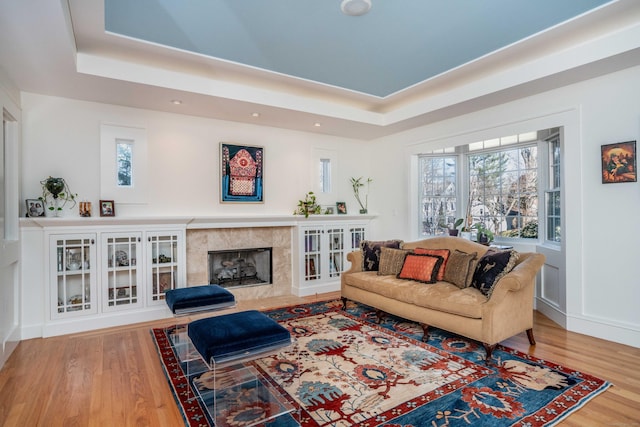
<point>199,298</point>
<point>237,336</point>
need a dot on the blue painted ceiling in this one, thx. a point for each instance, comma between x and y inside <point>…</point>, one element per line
<point>398,44</point>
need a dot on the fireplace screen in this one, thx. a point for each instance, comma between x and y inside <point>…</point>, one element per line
<point>240,267</point>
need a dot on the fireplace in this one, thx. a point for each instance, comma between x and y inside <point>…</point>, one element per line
<point>240,267</point>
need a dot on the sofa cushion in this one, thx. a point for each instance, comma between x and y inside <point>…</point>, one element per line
<point>371,252</point>
<point>444,253</point>
<point>391,261</point>
<point>420,267</point>
<point>460,268</point>
<point>440,296</point>
<point>492,266</point>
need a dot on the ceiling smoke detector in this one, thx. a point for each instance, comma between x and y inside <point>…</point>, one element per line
<point>355,7</point>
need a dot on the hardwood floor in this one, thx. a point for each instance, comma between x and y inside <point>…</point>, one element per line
<point>113,377</point>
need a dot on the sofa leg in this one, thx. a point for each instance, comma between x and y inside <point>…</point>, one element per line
<point>344,303</point>
<point>532,340</point>
<point>489,349</point>
<point>425,332</point>
<point>379,315</point>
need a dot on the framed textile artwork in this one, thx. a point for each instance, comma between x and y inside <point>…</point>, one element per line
<point>241,173</point>
<point>619,162</point>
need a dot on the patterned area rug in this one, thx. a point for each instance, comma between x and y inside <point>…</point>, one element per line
<point>346,370</point>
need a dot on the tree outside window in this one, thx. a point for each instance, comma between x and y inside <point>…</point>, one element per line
<point>503,191</point>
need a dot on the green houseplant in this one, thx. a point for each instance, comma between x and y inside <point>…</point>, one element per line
<point>484,234</point>
<point>357,184</point>
<point>56,194</point>
<point>308,205</point>
<point>453,231</point>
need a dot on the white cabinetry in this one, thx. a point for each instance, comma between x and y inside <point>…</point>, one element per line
<point>322,253</point>
<point>72,273</point>
<point>166,269</point>
<point>121,278</point>
<point>110,276</point>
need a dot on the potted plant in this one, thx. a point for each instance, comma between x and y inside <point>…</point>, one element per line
<point>357,184</point>
<point>453,231</point>
<point>56,194</point>
<point>484,234</point>
<point>308,205</point>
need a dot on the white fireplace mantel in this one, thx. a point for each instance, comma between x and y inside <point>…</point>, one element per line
<point>191,222</point>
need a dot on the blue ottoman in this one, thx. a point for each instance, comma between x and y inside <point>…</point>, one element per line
<point>199,298</point>
<point>237,336</point>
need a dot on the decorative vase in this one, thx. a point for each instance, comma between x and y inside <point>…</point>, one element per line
<point>453,232</point>
<point>363,211</point>
<point>466,235</point>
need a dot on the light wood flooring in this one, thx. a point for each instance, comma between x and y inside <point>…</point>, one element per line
<point>113,377</point>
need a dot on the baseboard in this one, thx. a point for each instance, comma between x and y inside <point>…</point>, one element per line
<point>318,289</point>
<point>600,328</point>
<point>90,323</point>
<point>593,327</point>
<point>552,312</point>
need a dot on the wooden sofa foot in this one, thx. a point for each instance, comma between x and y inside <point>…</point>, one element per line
<point>532,340</point>
<point>344,303</point>
<point>425,332</point>
<point>489,349</point>
<point>379,316</point>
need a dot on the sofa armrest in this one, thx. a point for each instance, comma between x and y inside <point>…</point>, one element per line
<point>355,258</point>
<point>522,275</point>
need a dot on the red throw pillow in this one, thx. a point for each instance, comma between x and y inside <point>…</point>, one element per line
<point>444,253</point>
<point>421,268</point>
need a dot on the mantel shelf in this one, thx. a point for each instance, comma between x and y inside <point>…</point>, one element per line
<point>191,222</point>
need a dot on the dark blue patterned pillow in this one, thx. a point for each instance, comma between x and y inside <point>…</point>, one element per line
<point>491,268</point>
<point>371,252</point>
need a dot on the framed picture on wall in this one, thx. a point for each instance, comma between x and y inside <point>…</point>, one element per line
<point>619,162</point>
<point>341,207</point>
<point>241,174</point>
<point>107,208</point>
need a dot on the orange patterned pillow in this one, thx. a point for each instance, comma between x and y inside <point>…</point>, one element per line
<point>421,268</point>
<point>444,253</point>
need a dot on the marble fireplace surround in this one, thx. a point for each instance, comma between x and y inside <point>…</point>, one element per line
<point>200,241</point>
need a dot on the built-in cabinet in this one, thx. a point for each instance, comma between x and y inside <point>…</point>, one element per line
<point>72,275</point>
<point>92,275</point>
<point>121,277</point>
<point>322,252</point>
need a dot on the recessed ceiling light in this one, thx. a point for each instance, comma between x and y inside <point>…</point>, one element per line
<point>255,114</point>
<point>355,7</point>
<point>176,102</point>
<point>317,124</point>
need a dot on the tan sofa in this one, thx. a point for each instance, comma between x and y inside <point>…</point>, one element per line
<point>467,312</point>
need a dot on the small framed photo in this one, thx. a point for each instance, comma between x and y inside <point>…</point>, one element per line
<point>35,207</point>
<point>341,207</point>
<point>107,208</point>
<point>328,210</point>
<point>619,162</point>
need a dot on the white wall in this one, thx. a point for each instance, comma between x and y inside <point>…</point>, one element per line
<point>601,234</point>
<point>62,138</point>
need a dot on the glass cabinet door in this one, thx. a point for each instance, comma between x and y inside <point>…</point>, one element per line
<point>336,251</point>
<point>357,234</point>
<point>121,276</point>
<point>72,270</point>
<point>312,253</point>
<point>162,251</point>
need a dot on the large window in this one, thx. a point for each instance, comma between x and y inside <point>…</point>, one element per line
<point>438,201</point>
<point>497,187</point>
<point>552,193</point>
<point>503,190</point>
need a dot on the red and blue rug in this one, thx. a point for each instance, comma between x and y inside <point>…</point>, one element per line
<point>349,371</point>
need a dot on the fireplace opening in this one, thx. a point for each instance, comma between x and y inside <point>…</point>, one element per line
<point>240,267</point>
